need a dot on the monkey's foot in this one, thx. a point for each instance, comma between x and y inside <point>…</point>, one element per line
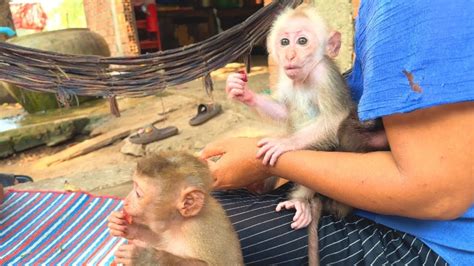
<point>302,216</point>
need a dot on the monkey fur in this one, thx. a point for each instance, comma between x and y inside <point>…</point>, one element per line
<point>337,116</point>
<point>314,102</point>
<point>175,220</point>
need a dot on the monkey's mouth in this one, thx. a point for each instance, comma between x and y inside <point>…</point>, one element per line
<point>292,71</point>
<point>292,67</point>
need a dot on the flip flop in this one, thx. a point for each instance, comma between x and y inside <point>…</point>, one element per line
<point>205,112</point>
<point>150,133</point>
<point>7,180</point>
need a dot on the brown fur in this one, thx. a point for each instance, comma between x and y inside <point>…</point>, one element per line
<point>205,237</point>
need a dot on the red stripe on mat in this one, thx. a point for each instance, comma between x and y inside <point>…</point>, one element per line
<point>26,221</point>
<point>65,227</point>
<point>89,241</point>
<point>41,229</point>
<point>44,234</point>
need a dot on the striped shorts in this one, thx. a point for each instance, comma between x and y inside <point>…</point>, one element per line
<point>266,237</point>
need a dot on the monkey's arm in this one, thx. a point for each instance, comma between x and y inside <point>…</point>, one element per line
<point>321,134</point>
<point>426,175</point>
<point>237,89</point>
<point>270,108</point>
<point>131,254</point>
<point>166,258</point>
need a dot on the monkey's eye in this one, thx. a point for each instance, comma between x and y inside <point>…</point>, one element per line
<point>284,42</point>
<point>302,40</point>
<point>138,194</point>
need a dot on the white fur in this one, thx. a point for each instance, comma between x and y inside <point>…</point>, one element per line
<point>311,13</point>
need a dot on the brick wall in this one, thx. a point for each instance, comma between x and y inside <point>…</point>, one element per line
<point>114,20</point>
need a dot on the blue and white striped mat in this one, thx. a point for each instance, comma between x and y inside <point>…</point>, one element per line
<point>56,228</point>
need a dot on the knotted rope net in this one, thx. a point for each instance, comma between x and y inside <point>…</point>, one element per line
<point>134,76</point>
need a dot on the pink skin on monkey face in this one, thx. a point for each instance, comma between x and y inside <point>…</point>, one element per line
<point>137,202</point>
<point>296,48</point>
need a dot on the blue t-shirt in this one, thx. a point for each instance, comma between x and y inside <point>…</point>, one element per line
<point>412,55</point>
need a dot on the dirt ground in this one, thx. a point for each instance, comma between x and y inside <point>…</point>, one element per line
<point>107,170</point>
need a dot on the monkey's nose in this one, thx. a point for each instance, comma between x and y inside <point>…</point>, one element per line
<point>290,55</point>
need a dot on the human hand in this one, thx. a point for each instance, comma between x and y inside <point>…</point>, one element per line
<point>302,216</point>
<point>272,148</point>
<point>237,88</point>
<point>237,166</point>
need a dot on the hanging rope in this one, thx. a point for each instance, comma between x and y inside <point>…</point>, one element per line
<point>133,76</point>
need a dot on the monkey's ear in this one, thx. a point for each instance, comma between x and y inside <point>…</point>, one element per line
<point>191,201</point>
<point>334,44</point>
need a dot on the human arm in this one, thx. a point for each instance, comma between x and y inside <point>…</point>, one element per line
<point>237,89</point>
<point>319,133</point>
<point>426,175</point>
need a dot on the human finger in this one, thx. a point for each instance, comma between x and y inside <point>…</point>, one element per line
<point>215,148</point>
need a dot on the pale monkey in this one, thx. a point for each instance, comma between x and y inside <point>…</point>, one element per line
<point>312,100</point>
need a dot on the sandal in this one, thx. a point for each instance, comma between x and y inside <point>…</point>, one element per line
<point>7,180</point>
<point>150,133</point>
<point>205,112</point>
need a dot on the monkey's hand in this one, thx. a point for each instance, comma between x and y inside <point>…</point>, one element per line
<point>302,216</point>
<point>134,253</point>
<point>127,254</point>
<point>272,148</point>
<point>117,224</point>
<point>236,88</point>
<point>120,227</point>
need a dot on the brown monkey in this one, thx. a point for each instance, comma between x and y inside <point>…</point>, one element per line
<point>174,220</point>
<point>314,102</point>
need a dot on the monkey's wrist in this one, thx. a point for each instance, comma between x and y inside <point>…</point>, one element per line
<point>251,99</point>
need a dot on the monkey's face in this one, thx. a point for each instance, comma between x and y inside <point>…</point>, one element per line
<point>140,200</point>
<point>297,48</point>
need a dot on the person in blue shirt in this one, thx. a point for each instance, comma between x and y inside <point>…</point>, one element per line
<point>415,203</point>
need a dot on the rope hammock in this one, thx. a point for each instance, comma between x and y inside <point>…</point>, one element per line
<point>134,76</point>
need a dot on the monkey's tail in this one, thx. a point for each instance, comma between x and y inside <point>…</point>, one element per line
<point>313,239</point>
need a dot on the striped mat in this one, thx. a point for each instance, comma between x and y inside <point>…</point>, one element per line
<point>56,228</point>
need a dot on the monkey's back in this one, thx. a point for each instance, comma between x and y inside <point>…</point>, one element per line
<point>219,242</point>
